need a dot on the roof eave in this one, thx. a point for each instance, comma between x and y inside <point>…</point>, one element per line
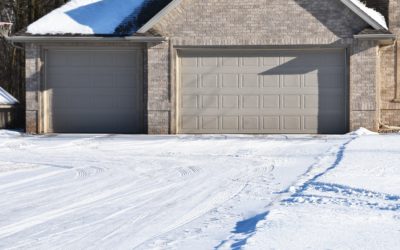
<point>363,15</point>
<point>44,38</point>
<point>383,39</point>
<point>8,106</point>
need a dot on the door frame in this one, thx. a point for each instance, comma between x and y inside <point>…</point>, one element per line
<point>45,103</point>
<point>176,55</point>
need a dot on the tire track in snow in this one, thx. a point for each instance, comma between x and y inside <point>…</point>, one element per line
<point>238,184</point>
<point>27,180</point>
<point>41,218</point>
<point>134,193</point>
<point>334,154</point>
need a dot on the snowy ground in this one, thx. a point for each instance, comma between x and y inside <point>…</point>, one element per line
<point>199,192</point>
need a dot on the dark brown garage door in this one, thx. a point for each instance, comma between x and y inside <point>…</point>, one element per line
<point>283,91</point>
<point>94,91</point>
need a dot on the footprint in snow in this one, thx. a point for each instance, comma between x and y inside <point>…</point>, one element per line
<point>87,172</point>
<point>187,171</point>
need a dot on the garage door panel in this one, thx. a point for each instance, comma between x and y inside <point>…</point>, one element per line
<point>262,92</point>
<point>100,102</point>
<point>94,91</point>
<point>189,81</point>
<point>271,123</point>
<point>189,122</point>
<point>209,81</point>
<point>250,102</point>
<point>230,61</point>
<point>251,122</point>
<point>291,101</point>
<point>292,122</point>
<point>271,101</point>
<point>230,80</point>
<point>250,81</point>
<point>70,58</point>
<point>210,101</point>
<point>210,123</point>
<point>271,81</point>
<point>230,101</point>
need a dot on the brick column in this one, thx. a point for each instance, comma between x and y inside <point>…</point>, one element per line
<point>364,87</point>
<point>158,89</point>
<point>32,71</point>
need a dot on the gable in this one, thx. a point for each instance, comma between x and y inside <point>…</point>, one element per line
<point>280,19</point>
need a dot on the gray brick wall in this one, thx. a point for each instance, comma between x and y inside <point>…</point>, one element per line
<point>364,87</point>
<point>33,72</point>
<point>252,22</point>
<point>390,71</point>
<point>158,88</point>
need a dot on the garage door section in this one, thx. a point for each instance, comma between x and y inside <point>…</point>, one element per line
<point>285,91</point>
<point>94,91</point>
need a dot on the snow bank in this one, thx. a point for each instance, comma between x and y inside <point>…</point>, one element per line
<point>9,133</point>
<point>363,131</point>
<point>378,17</point>
<point>86,17</point>
<point>6,98</point>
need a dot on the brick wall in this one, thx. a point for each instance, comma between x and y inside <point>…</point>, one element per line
<point>33,72</point>
<point>390,72</point>
<point>158,88</point>
<point>364,90</point>
<point>255,22</point>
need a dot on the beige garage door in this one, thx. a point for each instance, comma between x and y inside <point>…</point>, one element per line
<point>281,91</point>
<point>94,91</point>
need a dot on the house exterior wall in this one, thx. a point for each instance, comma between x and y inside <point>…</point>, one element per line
<point>240,24</point>
<point>364,85</point>
<point>158,88</point>
<point>390,70</point>
<point>276,24</point>
<point>33,68</point>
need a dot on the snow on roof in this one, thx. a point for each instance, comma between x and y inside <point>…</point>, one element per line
<point>86,17</point>
<point>375,15</point>
<point>6,98</point>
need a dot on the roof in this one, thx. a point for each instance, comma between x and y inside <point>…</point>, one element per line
<point>127,17</point>
<point>97,17</point>
<point>6,98</point>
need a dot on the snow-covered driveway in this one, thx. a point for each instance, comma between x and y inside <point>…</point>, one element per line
<point>199,192</point>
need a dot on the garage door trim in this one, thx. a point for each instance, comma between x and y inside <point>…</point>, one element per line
<point>44,96</point>
<point>219,51</point>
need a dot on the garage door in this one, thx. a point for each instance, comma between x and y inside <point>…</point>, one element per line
<point>285,91</point>
<point>94,91</point>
